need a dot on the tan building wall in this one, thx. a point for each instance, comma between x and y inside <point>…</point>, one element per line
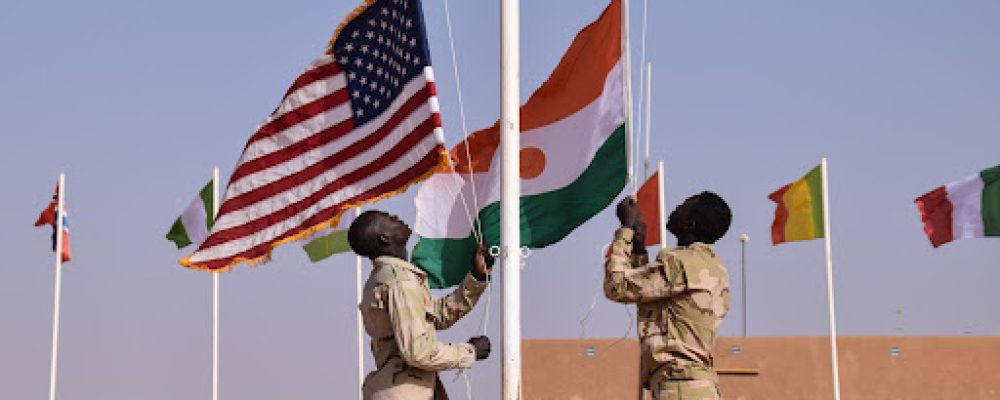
<point>792,368</point>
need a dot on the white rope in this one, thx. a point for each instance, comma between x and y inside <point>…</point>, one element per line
<point>484,322</point>
<point>476,226</point>
<point>477,229</point>
<point>593,304</point>
<point>583,321</point>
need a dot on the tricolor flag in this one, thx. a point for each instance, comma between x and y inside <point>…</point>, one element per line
<point>799,212</point>
<point>193,224</point>
<point>648,203</point>
<point>49,216</point>
<point>360,124</point>
<point>573,161</point>
<point>330,243</point>
<point>965,209</point>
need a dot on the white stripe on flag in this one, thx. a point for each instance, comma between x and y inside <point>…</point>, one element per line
<point>966,197</point>
<point>194,220</point>
<point>242,244</point>
<point>268,205</point>
<point>323,121</point>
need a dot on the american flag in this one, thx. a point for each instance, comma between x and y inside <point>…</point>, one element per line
<point>360,124</point>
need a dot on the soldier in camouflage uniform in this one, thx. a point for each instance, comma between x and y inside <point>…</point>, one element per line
<point>681,297</point>
<point>401,316</point>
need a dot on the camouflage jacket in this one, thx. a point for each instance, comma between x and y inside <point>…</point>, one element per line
<point>401,317</point>
<point>681,297</point>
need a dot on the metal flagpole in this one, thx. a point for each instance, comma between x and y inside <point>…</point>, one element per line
<point>646,124</point>
<point>215,294</point>
<point>360,322</point>
<point>744,239</point>
<point>58,289</point>
<point>663,205</point>
<point>627,93</point>
<point>510,193</point>
<point>829,280</point>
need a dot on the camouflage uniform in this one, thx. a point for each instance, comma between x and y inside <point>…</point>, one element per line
<point>401,316</point>
<point>682,298</point>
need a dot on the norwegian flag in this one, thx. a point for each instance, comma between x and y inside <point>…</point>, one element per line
<point>49,216</point>
<point>360,124</point>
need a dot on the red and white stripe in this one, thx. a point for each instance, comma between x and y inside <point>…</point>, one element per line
<point>307,163</point>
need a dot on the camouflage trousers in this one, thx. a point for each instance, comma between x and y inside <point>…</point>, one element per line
<point>685,383</point>
<point>695,389</point>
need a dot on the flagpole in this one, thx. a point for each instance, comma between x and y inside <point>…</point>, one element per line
<point>663,205</point>
<point>215,294</point>
<point>627,93</point>
<point>744,239</point>
<point>510,193</point>
<point>829,280</point>
<point>359,321</point>
<point>646,126</point>
<point>60,214</point>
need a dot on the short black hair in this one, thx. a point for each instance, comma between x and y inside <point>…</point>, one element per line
<point>363,235</point>
<point>711,217</point>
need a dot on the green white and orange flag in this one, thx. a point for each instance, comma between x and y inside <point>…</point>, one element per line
<point>573,160</point>
<point>799,215</point>
<point>965,209</point>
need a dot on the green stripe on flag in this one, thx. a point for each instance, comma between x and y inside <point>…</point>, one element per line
<point>546,218</point>
<point>178,235</point>
<point>327,245</point>
<point>206,196</point>
<point>991,201</point>
<point>815,181</point>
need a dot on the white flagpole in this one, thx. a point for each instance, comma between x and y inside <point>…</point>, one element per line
<point>648,116</point>
<point>829,280</point>
<point>510,193</point>
<point>627,93</point>
<point>360,322</point>
<point>215,295</point>
<point>60,202</point>
<point>663,205</point>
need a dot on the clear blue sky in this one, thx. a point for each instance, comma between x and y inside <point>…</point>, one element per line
<point>138,100</point>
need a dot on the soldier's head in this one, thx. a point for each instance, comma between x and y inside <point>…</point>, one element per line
<point>704,217</point>
<point>376,233</point>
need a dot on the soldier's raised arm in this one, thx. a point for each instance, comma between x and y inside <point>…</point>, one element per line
<point>449,309</point>
<point>415,336</point>
<point>626,282</point>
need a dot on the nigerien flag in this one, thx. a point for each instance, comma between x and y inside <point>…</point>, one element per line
<point>799,215</point>
<point>573,161</point>
<point>965,209</point>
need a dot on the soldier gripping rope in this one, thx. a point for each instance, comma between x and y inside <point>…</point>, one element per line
<point>401,316</point>
<point>682,296</point>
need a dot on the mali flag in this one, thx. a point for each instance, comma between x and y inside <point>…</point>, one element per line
<point>799,215</point>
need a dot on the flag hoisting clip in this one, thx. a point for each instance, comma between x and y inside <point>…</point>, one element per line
<point>525,252</point>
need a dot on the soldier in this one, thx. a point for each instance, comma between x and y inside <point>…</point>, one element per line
<point>681,297</point>
<point>401,316</point>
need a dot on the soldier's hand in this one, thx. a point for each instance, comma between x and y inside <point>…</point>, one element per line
<point>482,345</point>
<point>482,263</point>
<point>628,212</point>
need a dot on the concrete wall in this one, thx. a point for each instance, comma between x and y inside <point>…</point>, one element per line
<point>794,368</point>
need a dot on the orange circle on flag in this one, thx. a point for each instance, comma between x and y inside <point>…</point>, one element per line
<point>532,162</point>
